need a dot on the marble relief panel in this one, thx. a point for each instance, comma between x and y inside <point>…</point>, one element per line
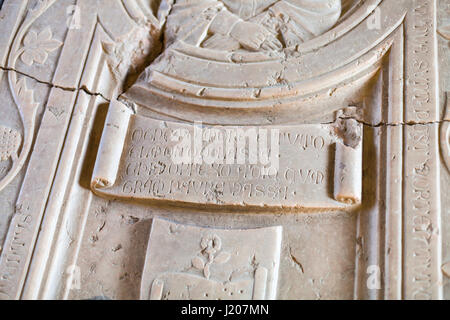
<point>215,149</point>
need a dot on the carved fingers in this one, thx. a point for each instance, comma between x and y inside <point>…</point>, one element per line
<point>221,42</point>
<point>250,35</point>
<point>272,44</point>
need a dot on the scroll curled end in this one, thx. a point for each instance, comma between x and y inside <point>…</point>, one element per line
<point>156,291</point>
<point>348,170</point>
<point>111,146</point>
<point>259,287</point>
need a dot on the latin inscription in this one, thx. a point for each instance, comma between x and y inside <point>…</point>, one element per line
<point>422,207</point>
<point>421,72</point>
<point>421,223</point>
<point>265,166</point>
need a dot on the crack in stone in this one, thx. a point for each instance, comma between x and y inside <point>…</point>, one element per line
<point>384,124</point>
<point>52,85</point>
<point>296,261</point>
<point>88,92</point>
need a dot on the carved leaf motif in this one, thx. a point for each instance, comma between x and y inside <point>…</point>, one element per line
<point>198,263</point>
<point>222,257</point>
<point>37,46</point>
<point>206,271</point>
<point>9,142</point>
<point>445,32</point>
<point>25,98</point>
<point>217,243</point>
<point>204,242</point>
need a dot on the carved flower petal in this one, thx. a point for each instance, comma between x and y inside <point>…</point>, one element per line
<point>222,257</point>
<point>45,35</point>
<point>30,39</point>
<point>204,242</point>
<point>28,57</point>
<point>198,263</point>
<point>40,56</point>
<point>50,45</point>
<point>217,243</point>
<point>207,272</point>
<point>210,251</point>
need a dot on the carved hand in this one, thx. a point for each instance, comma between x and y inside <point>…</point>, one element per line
<point>221,42</point>
<point>251,35</point>
<point>271,44</point>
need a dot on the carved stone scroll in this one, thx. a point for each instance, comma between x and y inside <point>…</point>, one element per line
<point>272,166</point>
<point>208,264</point>
<point>347,178</point>
<point>116,128</point>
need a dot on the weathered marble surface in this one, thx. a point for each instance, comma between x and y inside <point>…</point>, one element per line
<point>90,91</point>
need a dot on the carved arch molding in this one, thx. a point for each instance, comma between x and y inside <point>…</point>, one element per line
<point>354,110</point>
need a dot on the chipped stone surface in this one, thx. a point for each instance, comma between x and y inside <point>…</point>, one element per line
<point>352,96</point>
